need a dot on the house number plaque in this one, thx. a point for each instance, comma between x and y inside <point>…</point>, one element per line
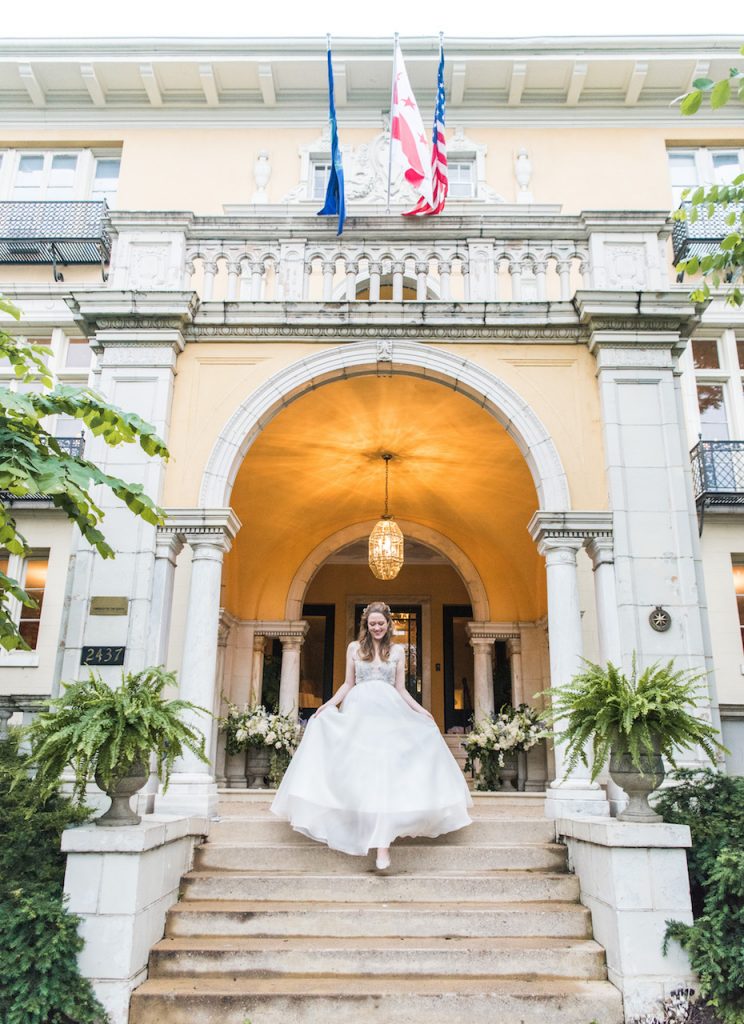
<point>95,656</point>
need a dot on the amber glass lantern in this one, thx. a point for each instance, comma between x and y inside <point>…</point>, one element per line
<point>386,541</point>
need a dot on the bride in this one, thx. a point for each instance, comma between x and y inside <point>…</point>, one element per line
<point>377,768</point>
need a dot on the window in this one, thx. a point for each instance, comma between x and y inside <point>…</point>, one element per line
<point>461,179</point>
<point>712,406</point>
<point>689,168</point>
<point>738,568</point>
<point>320,171</point>
<point>106,179</point>
<point>63,175</point>
<point>31,573</point>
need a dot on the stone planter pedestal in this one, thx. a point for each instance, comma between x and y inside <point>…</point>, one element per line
<point>633,878</point>
<point>121,882</point>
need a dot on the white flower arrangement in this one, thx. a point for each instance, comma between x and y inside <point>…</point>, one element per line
<point>256,727</point>
<point>511,730</point>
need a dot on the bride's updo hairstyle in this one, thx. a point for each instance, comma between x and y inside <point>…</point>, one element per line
<point>366,646</point>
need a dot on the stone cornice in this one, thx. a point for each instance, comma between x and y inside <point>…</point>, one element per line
<point>108,315</point>
<point>575,527</point>
<point>488,632</point>
<point>282,629</point>
<point>467,221</point>
<point>356,321</point>
<point>190,524</point>
<point>298,97</point>
<point>636,320</point>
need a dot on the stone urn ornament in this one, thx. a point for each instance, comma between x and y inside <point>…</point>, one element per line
<point>121,791</point>
<point>257,767</point>
<point>261,176</point>
<point>638,785</point>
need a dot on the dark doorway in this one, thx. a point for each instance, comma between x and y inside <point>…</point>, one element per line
<point>407,633</point>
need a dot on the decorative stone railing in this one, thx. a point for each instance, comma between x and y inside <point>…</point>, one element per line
<point>274,255</point>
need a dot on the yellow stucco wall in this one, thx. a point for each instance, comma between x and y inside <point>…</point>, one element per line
<point>203,168</point>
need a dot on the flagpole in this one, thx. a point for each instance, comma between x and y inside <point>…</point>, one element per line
<point>392,100</point>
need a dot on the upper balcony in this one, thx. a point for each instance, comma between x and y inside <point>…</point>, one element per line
<point>718,475</point>
<point>55,233</point>
<point>704,234</point>
<point>280,255</point>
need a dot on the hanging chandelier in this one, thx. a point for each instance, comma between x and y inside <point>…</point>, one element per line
<point>386,541</point>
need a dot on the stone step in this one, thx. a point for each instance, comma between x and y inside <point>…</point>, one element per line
<point>234,802</point>
<point>352,999</point>
<point>369,887</point>
<point>266,828</point>
<point>310,955</point>
<point>214,856</point>
<point>557,917</point>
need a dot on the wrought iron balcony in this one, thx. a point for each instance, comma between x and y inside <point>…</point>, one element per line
<point>703,235</point>
<point>55,233</point>
<point>74,446</point>
<point>718,474</point>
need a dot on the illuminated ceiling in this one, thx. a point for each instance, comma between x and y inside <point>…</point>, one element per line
<point>316,469</point>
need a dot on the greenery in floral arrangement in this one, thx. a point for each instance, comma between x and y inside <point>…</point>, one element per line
<point>712,805</point>
<point>643,714</point>
<point>511,730</point>
<point>41,983</point>
<point>100,730</point>
<point>246,727</point>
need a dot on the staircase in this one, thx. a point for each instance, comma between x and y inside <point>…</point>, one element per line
<point>483,926</point>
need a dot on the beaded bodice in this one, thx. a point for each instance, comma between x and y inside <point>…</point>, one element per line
<point>383,671</point>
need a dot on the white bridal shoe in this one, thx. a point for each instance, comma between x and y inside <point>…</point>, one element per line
<point>383,860</point>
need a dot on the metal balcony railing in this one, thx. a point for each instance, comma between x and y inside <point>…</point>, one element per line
<point>704,235</point>
<point>72,446</point>
<point>55,233</point>
<point>717,474</point>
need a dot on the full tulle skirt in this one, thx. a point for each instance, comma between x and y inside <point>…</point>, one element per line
<point>371,772</point>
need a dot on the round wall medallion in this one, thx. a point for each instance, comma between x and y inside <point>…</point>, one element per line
<point>660,619</point>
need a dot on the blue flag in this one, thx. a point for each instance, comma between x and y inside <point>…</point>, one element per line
<point>334,200</point>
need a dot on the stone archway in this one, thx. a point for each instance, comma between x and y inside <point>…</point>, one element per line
<point>462,564</point>
<point>389,357</point>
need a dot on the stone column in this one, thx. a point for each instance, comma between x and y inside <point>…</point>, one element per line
<point>256,687</point>
<point>225,650</point>
<point>168,546</point>
<point>209,533</point>
<point>601,551</point>
<point>514,651</point>
<point>292,637</point>
<point>482,636</point>
<point>559,537</point>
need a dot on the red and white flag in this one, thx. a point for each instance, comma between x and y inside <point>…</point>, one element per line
<point>410,150</point>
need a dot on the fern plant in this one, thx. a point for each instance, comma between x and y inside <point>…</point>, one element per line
<point>644,714</point>
<point>100,730</point>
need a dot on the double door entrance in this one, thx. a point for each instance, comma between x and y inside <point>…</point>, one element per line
<point>455,672</point>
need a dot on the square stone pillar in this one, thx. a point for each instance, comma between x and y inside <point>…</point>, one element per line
<point>137,362</point>
<point>637,339</point>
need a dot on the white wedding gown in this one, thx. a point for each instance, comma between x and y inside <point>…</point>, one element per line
<point>372,771</point>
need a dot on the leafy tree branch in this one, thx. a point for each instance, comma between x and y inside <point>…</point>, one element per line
<point>33,462</point>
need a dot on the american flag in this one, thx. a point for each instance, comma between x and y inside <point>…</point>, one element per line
<point>439,178</point>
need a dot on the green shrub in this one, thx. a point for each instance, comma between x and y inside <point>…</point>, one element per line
<point>40,942</point>
<point>713,806</point>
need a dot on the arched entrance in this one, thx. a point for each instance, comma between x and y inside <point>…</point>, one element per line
<point>300,461</point>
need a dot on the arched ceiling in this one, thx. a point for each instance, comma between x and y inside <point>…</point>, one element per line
<point>317,468</point>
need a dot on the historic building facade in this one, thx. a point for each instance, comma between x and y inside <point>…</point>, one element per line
<point>528,358</point>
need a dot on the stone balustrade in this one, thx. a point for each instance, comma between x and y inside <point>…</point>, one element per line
<point>279,256</point>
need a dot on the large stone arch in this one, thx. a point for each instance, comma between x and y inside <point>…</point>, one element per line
<point>389,356</point>
<point>462,564</point>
